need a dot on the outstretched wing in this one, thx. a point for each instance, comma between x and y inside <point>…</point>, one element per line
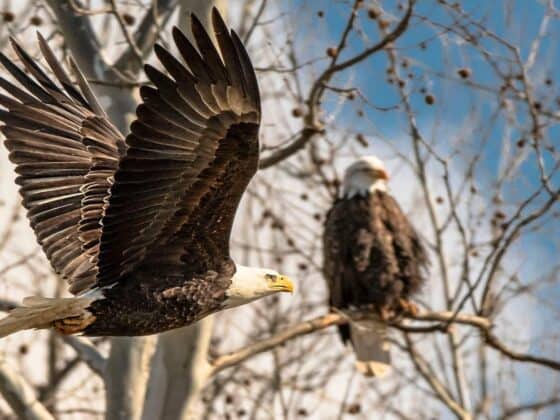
<point>191,153</point>
<point>65,151</point>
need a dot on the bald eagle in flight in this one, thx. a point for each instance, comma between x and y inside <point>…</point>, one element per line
<point>373,261</point>
<point>139,226</point>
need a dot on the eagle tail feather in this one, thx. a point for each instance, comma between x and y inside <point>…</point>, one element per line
<point>369,340</point>
<point>38,312</point>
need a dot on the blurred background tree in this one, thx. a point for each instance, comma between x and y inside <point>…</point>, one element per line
<point>460,100</point>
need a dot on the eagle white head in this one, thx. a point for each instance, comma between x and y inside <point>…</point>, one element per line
<point>364,176</point>
<point>251,283</point>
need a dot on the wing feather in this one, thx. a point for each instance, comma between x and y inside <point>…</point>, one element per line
<point>198,147</point>
<point>65,152</point>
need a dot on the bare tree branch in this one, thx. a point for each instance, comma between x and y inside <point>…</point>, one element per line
<point>319,323</point>
<point>81,39</point>
<point>493,341</point>
<point>146,35</point>
<point>312,124</point>
<point>289,333</point>
<point>20,395</point>
<point>443,394</point>
<point>532,407</point>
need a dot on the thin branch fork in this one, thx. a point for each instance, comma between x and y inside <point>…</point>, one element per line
<point>129,39</point>
<point>485,326</point>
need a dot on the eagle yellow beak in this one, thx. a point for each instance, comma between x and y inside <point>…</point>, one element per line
<point>283,284</point>
<point>381,174</point>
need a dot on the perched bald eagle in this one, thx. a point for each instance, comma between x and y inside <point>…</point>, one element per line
<point>373,261</point>
<point>139,226</point>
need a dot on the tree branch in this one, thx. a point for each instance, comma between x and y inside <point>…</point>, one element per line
<point>80,38</point>
<point>442,393</point>
<point>496,344</point>
<point>324,321</point>
<point>20,395</point>
<point>536,406</point>
<point>146,35</point>
<point>289,333</point>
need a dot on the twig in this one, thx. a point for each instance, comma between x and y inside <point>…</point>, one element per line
<point>442,393</point>
<point>496,344</point>
<point>536,406</point>
<point>146,35</point>
<point>255,22</point>
<point>137,54</point>
<point>20,395</point>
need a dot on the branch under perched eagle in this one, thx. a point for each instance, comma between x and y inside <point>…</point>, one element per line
<point>139,226</point>
<point>373,261</point>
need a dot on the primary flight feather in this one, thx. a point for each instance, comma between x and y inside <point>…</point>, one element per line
<point>138,226</point>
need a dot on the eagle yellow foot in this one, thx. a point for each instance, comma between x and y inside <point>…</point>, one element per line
<point>408,308</point>
<point>386,315</point>
<point>74,325</point>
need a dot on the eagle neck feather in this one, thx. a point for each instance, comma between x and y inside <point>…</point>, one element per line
<point>358,186</point>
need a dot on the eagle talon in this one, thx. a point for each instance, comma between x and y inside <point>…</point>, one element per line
<point>386,314</point>
<point>73,325</point>
<point>408,308</point>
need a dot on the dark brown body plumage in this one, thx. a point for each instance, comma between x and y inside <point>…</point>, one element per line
<point>373,257</point>
<point>140,306</point>
<point>146,218</point>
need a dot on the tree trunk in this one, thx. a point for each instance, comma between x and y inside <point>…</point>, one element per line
<point>179,370</point>
<point>20,395</point>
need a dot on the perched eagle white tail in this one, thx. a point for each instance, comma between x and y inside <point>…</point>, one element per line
<point>369,340</point>
<point>39,312</point>
<point>374,262</point>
